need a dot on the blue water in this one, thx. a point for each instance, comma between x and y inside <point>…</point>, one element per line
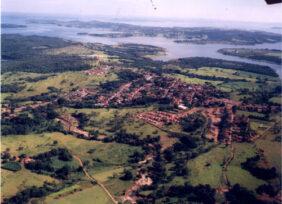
<point>173,50</point>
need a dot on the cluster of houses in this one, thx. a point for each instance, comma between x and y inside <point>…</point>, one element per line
<point>79,94</point>
<point>101,71</point>
<point>155,88</point>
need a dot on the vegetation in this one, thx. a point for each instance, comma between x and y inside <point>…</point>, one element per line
<point>11,166</point>
<point>239,194</point>
<point>251,164</point>
<point>197,62</point>
<point>180,34</point>
<point>42,120</point>
<point>143,143</point>
<point>28,53</point>
<point>273,56</point>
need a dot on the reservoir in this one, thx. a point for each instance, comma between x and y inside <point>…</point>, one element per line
<point>173,50</point>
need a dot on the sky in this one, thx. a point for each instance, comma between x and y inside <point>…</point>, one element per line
<point>234,10</point>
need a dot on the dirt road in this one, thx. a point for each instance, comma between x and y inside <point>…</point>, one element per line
<point>94,180</point>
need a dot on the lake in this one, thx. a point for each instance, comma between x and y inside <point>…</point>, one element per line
<point>173,50</point>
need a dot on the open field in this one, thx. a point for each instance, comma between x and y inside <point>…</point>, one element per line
<point>63,82</point>
<point>104,108</point>
<point>13,182</point>
<point>108,153</point>
<point>104,119</point>
<point>207,168</point>
<point>83,194</point>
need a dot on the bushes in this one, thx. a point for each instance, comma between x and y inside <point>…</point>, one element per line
<point>82,119</point>
<point>11,166</point>
<point>198,194</point>
<point>33,192</point>
<point>127,175</point>
<point>186,143</point>
<point>251,164</point>
<point>192,122</point>
<point>240,195</point>
<point>11,88</point>
<point>43,163</point>
<point>266,189</point>
<point>41,121</point>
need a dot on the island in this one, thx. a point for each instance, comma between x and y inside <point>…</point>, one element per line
<point>268,55</point>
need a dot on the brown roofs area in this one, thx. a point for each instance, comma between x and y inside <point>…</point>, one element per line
<point>100,71</point>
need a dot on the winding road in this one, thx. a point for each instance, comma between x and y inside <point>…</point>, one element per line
<point>94,180</point>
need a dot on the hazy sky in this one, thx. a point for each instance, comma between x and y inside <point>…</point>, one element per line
<point>239,10</point>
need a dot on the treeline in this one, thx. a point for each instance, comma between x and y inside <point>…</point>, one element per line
<point>11,88</point>
<point>34,192</point>
<point>192,122</point>
<point>40,120</point>
<point>198,194</point>
<point>43,163</point>
<point>251,164</point>
<point>273,56</point>
<point>133,139</point>
<point>29,54</point>
<point>198,62</point>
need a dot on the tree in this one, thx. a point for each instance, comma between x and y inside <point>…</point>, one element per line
<point>127,175</point>
<point>240,195</point>
<point>63,172</point>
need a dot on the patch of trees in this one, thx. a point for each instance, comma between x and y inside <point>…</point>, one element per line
<point>198,62</point>
<point>43,97</point>
<point>63,154</point>
<point>266,189</point>
<point>251,164</point>
<point>133,139</point>
<point>185,143</point>
<point>127,176</point>
<point>33,192</point>
<point>35,79</point>
<point>82,118</point>
<point>43,163</point>
<point>29,54</point>
<point>136,157</point>
<point>224,124</point>
<point>42,120</point>
<point>214,78</point>
<point>127,75</point>
<point>192,122</point>
<point>111,85</point>
<point>198,194</point>
<point>11,166</point>
<point>11,88</point>
<point>240,195</point>
<point>180,167</point>
<point>157,171</point>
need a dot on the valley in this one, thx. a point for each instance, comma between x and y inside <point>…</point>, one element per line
<point>90,121</point>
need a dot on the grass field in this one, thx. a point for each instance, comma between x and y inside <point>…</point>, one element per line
<point>82,194</point>
<point>108,154</point>
<point>277,99</point>
<point>112,157</point>
<point>103,119</point>
<point>63,81</point>
<point>207,168</point>
<point>13,182</point>
<point>193,80</point>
